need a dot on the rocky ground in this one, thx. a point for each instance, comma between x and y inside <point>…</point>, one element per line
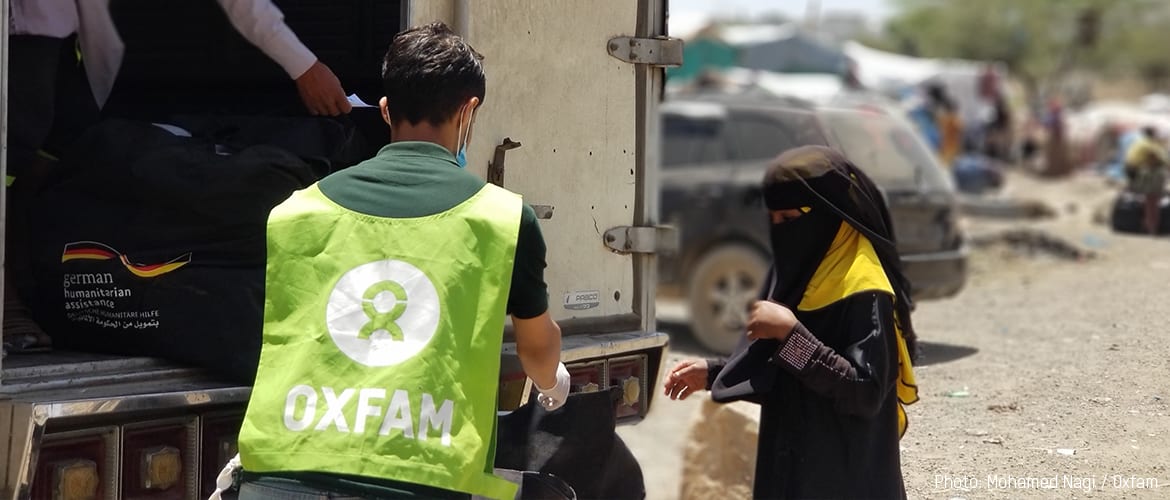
<point>1047,377</point>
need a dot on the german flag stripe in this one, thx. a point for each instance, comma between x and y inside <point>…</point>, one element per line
<point>88,250</point>
<point>92,250</point>
<point>152,270</point>
<point>83,254</point>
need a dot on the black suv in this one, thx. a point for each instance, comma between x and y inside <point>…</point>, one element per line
<point>714,153</point>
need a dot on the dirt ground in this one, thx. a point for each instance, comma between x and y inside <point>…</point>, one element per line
<point>1047,377</point>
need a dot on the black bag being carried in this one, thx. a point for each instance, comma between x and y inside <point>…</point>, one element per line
<point>576,444</point>
<point>1128,214</point>
<point>152,243</point>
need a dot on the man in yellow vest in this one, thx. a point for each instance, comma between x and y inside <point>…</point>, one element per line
<point>387,288</point>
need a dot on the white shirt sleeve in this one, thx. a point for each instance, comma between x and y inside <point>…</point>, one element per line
<point>262,24</point>
<point>53,18</point>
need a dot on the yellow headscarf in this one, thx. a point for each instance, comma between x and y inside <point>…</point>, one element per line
<point>851,266</point>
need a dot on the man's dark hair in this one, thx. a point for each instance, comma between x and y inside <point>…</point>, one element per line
<point>428,72</point>
<point>1150,132</point>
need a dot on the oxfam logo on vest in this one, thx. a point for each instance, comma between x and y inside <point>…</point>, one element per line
<point>383,313</point>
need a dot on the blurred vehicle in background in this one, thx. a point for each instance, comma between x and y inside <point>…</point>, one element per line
<point>715,149</point>
<point>920,195</point>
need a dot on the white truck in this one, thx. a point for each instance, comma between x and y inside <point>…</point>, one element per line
<point>576,84</point>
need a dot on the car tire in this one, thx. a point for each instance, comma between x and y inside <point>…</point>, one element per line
<point>723,285</point>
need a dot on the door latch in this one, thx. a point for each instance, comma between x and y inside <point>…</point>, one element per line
<point>642,239</point>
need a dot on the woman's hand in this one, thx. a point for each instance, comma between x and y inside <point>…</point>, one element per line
<point>769,320</point>
<point>686,378</point>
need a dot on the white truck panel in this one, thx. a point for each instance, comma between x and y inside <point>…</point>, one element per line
<point>431,10</point>
<point>574,111</point>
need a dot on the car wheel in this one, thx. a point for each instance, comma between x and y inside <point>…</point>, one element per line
<point>724,284</point>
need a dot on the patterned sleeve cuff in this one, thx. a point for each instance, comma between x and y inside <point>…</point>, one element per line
<point>714,366</point>
<point>797,350</point>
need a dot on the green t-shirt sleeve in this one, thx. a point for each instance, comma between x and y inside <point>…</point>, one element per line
<point>529,296</point>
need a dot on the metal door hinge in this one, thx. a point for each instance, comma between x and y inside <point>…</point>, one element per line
<point>659,51</point>
<point>642,239</point>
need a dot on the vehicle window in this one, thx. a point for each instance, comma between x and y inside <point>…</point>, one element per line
<point>763,137</point>
<point>687,141</point>
<point>886,149</point>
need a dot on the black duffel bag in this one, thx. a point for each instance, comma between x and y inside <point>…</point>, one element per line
<point>576,443</point>
<point>152,243</point>
<point>1128,214</point>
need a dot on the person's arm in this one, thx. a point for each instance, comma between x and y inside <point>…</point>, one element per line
<point>538,338</point>
<point>859,377</point>
<point>1161,157</point>
<point>714,366</point>
<point>694,375</point>
<point>262,23</point>
<point>538,344</point>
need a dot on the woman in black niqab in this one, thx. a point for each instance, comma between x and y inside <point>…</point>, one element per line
<point>827,351</point>
<point>820,176</point>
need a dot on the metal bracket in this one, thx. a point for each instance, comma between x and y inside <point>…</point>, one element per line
<point>495,173</point>
<point>543,211</point>
<point>642,239</point>
<point>658,51</point>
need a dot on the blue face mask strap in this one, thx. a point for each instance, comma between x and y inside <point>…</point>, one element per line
<point>461,158</point>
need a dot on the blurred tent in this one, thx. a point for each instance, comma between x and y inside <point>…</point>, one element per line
<point>814,87</point>
<point>890,72</point>
<point>898,75</point>
<point>774,48</point>
<point>811,87</point>
<point>791,50</point>
<point>1156,103</point>
<point>1096,130</point>
<point>703,54</point>
<point>746,35</point>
